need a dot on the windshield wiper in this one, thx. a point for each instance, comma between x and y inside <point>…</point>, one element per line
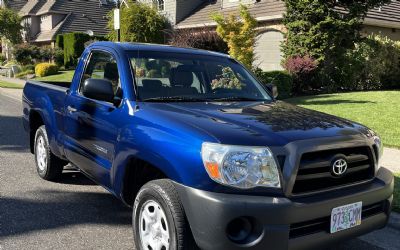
<point>174,99</point>
<point>235,98</point>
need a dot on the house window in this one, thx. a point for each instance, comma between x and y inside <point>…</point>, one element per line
<point>159,4</point>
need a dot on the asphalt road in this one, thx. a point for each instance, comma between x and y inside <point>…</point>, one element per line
<point>75,213</point>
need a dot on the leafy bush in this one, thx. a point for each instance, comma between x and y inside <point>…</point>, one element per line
<point>374,63</point>
<point>282,79</point>
<point>45,69</point>
<point>139,23</point>
<point>202,38</point>
<point>301,68</point>
<point>325,30</point>
<point>60,41</point>
<point>239,33</point>
<point>28,67</point>
<point>2,59</point>
<point>74,45</point>
<point>25,53</point>
<point>10,25</point>
<point>59,57</point>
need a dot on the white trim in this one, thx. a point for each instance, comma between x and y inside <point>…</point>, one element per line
<point>381,23</point>
<point>259,19</point>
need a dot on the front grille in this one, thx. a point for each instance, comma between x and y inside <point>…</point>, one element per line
<point>314,172</point>
<point>323,224</point>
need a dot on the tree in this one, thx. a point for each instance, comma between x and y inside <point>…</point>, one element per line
<point>325,30</point>
<point>239,33</point>
<point>139,23</point>
<point>10,25</point>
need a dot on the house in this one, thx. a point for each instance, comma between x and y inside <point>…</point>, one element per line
<point>185,14</point>
<point>44,19</point>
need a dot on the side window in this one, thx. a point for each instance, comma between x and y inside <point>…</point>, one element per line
<point>102,65</point>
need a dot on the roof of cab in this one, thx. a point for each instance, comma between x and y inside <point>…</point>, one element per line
<point>156,47</point>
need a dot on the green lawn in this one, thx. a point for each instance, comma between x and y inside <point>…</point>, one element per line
<point>396,195</point>
<point>379,110</point>
<point>62,76</point>
<point>10,85</point>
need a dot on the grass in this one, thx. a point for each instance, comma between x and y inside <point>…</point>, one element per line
<point>62,76</point>
<point>379,110</point>
<point>396,195</point>
<point>10,85</point>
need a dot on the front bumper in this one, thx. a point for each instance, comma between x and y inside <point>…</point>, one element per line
<point>209,215</point>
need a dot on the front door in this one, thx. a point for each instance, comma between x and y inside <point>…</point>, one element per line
<point>91,126</point>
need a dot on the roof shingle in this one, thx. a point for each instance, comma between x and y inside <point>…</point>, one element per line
<point>274,9</point>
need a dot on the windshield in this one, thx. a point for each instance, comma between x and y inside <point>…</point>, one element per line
<point>190,77</point>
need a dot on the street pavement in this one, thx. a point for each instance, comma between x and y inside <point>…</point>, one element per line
<point>75,213</point>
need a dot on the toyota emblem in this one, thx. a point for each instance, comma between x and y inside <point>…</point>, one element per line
<point>339,167</point>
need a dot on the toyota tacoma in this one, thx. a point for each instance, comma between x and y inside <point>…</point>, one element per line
<point>204,153</point>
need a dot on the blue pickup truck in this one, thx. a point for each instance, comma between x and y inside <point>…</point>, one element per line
<point>205,154</point>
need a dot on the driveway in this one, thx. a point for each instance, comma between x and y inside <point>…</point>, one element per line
<point>75,213</point>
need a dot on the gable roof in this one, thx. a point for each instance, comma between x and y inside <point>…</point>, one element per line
<point>262,11</point>
<point>387,16</point>
<point>83,15</point>
<point>78,15</point>
<point>15,5</point>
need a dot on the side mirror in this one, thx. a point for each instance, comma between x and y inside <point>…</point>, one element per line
<point>98,89</point>
<point>273,89</point>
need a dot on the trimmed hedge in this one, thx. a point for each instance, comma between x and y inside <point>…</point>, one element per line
<point>60,41</point>
<point>45,69</point>
<point>74,45</point>
<point>282,79</point>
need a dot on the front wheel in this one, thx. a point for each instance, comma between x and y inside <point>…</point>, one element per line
<point>159,221</point>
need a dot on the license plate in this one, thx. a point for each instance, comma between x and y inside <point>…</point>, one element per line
<point>345,217</point>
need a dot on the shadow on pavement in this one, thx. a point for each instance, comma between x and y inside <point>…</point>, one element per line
<point>56,209</point>
<point>12,135</point>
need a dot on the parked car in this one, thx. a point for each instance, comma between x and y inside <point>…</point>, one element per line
<point>205,154</point>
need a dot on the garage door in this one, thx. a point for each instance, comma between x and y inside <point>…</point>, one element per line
<point>268,51</point>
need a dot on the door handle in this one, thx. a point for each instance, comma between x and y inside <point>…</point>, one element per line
<point>71,109</point>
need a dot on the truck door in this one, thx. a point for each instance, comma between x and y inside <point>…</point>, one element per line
<point>91,126</point>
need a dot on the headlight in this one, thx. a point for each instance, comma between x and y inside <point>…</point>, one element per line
<point>379,147</point>
<point>240,166</point>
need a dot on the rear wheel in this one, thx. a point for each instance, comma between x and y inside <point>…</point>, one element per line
<point>48,166</point>
<point>159,221</point>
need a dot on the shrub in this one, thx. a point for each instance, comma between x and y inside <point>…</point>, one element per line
<point>46,53</point>
<point>60,41</point>
<point>45,69</point>
<point>58,57</point>
<point>74,45</point>
<point>28,67</point>
<point>325,30</point>
<point>202,38</point>
<point>301,68</point>
<point>239,33</point>
<point>25,53</point>
<point>374,63</point>
<point>282,79</point>
<point>139,23</point>
<point>2,59</point>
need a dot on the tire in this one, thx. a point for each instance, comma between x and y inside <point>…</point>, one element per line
<point>49,167</point>
<point>157,205</point>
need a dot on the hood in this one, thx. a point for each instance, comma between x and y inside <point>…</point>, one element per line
<point>255,123</point>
